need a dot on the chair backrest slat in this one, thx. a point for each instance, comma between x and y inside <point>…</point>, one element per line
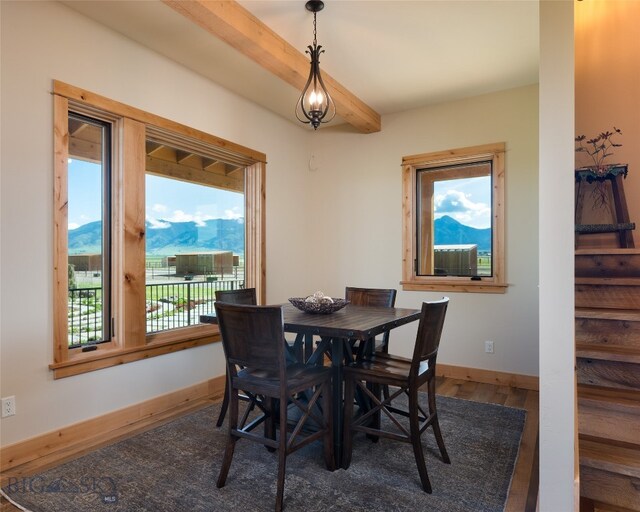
<point>241,296</point>
<point>380,297</point>
<point>252,336</point>
<point>430,330</point>
<point>374,297</point>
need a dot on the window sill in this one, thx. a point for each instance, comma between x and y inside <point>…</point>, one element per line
<point>83,362</point>
<point>463,285</point>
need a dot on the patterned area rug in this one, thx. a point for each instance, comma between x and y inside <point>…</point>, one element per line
<point>173,468</point>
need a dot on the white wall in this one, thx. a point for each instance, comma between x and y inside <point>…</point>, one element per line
<point>557,354</point>
<point>358,212</point>
<point>42,41</point>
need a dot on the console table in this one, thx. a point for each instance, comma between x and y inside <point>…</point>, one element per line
<point>620,222</point>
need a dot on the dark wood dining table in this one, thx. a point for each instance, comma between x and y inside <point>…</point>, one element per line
<point>336,330</point>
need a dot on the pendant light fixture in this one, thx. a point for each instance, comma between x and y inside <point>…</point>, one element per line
<point>315,105</point>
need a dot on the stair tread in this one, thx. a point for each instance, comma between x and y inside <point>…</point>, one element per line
<point>609,397</point>
<point>615,457</point>
<point>599,251</point>
<point>587,229</point>
<point>608,352</point>
<point>608,281</point>
<point>609,314</point>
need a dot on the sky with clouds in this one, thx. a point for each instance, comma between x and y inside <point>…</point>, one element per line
<point>467,200</point>
<point>167,199</point>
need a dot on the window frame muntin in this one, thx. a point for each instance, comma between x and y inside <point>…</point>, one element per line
<point>411,281</point>
<point>69,362</point>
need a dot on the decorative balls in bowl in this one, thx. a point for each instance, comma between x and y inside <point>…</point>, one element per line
<point>318,303</point>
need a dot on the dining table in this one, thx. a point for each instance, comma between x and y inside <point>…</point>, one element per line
<point>337,332</point>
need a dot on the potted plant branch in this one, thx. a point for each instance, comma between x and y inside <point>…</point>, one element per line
<point>598,149</point>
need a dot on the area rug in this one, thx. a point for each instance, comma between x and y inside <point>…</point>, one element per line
<point>174,467</point>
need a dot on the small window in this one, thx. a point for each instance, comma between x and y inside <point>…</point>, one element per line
<point>453,220</point>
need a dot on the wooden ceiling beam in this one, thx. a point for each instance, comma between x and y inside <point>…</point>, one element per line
<point>208,162</point>
<point>153,147</point>
<point>182,172</point>
<point>85,150</point>
<point>76,127</point>
<point>233,170</point>
<point>217,168</point>
<point>183,156</point>
<point>235,25</point>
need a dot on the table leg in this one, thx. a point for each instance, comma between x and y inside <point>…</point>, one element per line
<point>337,358</point>
<point>298,348</point>
<point>308,346</point>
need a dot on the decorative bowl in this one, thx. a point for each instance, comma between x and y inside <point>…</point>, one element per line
<point>318,308</point>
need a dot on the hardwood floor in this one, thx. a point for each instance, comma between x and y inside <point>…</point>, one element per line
<point>524,485</point>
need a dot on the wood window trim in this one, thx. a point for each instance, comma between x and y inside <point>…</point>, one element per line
<point>131,343</point>
<point>230,149</point>
<point>410,164</point>
<point>104,358</point>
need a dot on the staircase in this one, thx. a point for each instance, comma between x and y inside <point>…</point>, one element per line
<point>607,296</point>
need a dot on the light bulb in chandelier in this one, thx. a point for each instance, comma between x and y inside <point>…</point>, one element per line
<point>316,99</point>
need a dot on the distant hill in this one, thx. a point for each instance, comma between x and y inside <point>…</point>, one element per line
<point>228,235</point>
<point>178,237</point>
<point>449,231</point>
<point>86,238</point>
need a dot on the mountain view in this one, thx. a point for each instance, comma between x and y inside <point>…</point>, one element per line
<point>449,231</point>
<point>228,235</point>
<point>176,237</point>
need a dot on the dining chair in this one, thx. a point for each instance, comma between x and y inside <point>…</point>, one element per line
<point>408,375</point>
<point>253,342</point>
<point>240,296</point>
<point>374,297</point>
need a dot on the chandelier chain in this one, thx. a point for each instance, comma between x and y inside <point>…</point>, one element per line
<point>315,42</point>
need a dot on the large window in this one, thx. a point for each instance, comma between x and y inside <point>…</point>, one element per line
<point>453,220</point>
<point>151,218</point>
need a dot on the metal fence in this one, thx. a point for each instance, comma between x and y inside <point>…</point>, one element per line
<point>168,306</point>
<point>174,305</point>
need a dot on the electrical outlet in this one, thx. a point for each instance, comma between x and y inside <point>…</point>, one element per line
<point>8,406</point>
<point>488,347</point>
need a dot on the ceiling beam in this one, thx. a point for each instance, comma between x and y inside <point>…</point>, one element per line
<point>235,25</point>
<point>183,172</point>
